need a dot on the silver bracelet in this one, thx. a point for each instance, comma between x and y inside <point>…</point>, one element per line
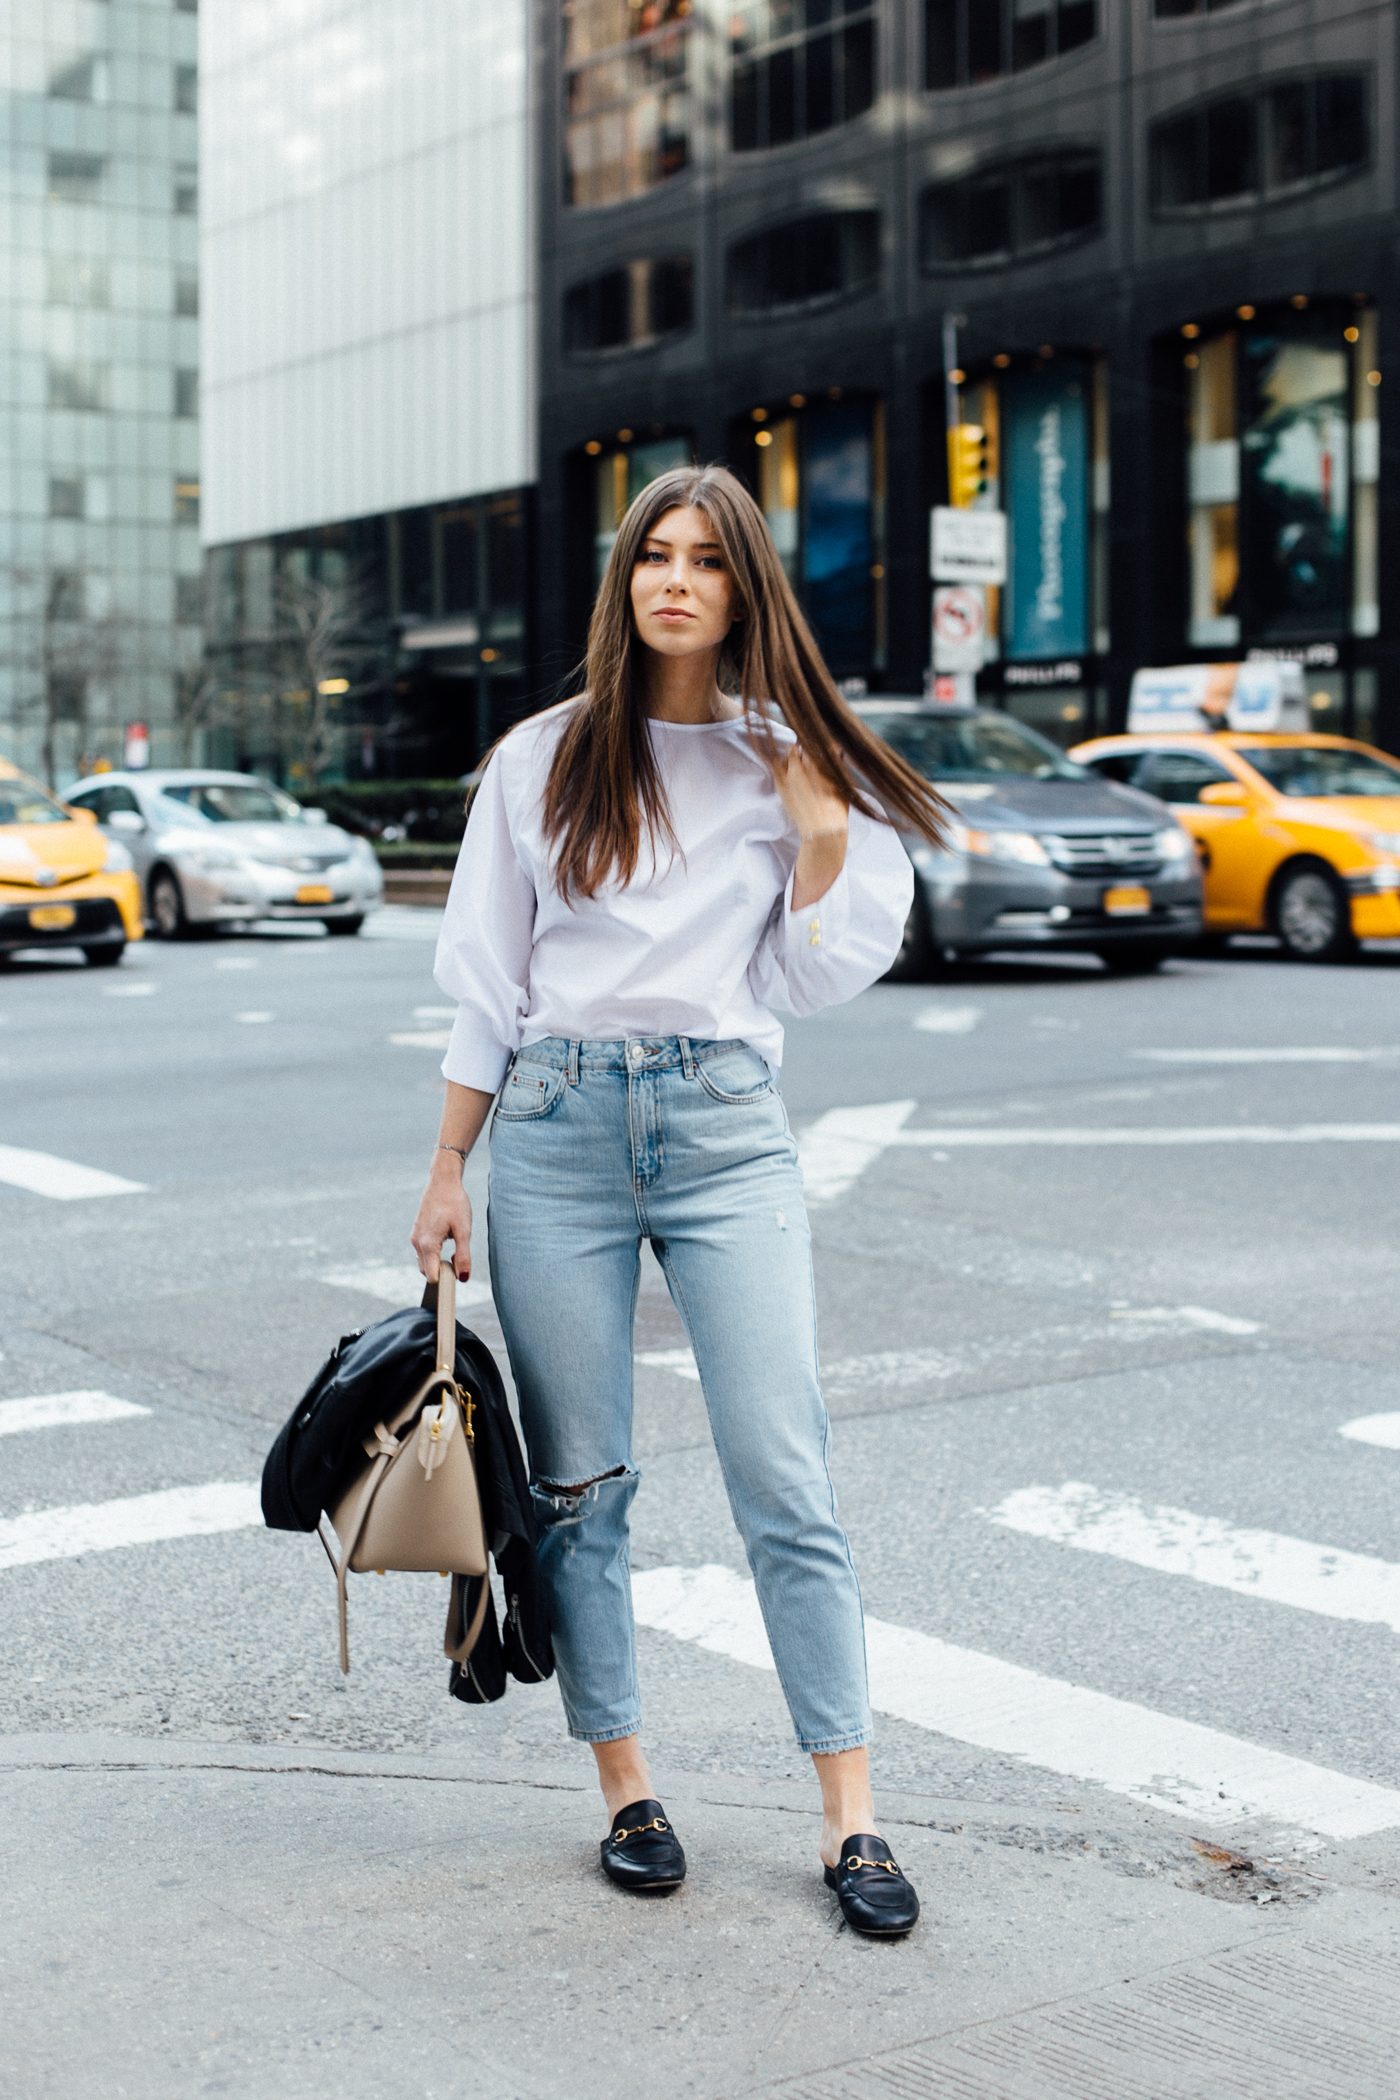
<point>454,1148</point>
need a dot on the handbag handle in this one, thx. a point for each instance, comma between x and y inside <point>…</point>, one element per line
<point>446,1317</point>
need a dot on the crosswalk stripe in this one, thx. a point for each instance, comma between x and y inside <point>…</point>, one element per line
<point>424,1038</point>
<point>401,1284</point>
<point>1267,1564</point>
<point>948,1020</point>
<point>1334,1054</point>
<point>1374,1429</point>
<point>1178,1766</point>
<point>54,1410</point>
<point>134,1520</point>
<point>836,1150</point>
<point>43,1174</point>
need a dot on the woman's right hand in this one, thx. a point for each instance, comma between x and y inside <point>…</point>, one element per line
<point>445,1213</point>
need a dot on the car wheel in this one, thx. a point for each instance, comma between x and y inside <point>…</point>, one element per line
<point>343,925</point>
<point>1312,915</point>
<point>167,905</point>
<point>917,959</point>
<point>106,957</point>
<point>1132,959</point>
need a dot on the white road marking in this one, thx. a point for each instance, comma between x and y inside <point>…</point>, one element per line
<point>129,991</point>
<point>435,1013</point>
<point>1221,1134</point>
<point>399,1284</point>
<point>1188,1316</point>
<point>836,1150</point>
<point>54,1410</point>
<point>252,1018</point>
<point>681,1361</point>
<point>1374,1429</point>
<point>135,1520</point>
<point>1267,1564</point>
<point>425,1039</point>
<point>235,962</point>
<point>1168,1764</point>
<point>949,1020</point>
<point>1330,1056</point>
<point>403,922</point>
<point>63,1179</point>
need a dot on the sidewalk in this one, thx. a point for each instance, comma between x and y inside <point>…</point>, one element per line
<point>199,1918</point>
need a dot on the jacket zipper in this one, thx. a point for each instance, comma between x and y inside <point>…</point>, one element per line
<point>514,1617</point>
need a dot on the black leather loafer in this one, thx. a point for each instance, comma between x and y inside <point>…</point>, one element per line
<point>874,1895</point>
<point>641,1851</point>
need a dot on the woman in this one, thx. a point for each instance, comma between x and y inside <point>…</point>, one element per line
<point>646,870</point>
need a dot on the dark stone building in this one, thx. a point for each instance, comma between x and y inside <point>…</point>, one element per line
<point>1168,227</point>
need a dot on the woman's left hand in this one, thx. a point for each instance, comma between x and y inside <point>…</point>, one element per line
<point>820,815</point>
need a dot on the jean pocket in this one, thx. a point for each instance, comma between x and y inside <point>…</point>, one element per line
<point>530,1091</point>
<point>736,1075</point>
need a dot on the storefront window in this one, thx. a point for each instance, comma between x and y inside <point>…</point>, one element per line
<point>1282,471</point>
<point>1012,211</point>
<point>630,307</point>
<point>966,41</point>
<point>806,262</point>
<point>800,67</point>
<point>1296,135</point>
<point>619,474</point>
<point>626,119</point>
<point>820,479</point>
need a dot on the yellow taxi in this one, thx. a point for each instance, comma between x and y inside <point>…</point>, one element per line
<point>62,884</point>
<point>1299,836</point>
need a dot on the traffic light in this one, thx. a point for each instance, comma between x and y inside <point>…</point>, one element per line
<point>969,464</point>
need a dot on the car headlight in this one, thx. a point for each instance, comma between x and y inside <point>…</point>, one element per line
<point>1384,841</point>
<point>1019,846</point>
<point>116,860</point>
<point>1175,843</point>
<point>213,859</point>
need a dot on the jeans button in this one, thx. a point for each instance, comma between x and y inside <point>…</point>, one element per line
<point>635,1052</point>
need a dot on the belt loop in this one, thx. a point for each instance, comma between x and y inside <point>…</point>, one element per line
<point>687,1058</point>
<point>575,1045</point>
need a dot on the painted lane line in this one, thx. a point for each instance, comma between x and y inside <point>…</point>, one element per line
<point>1221,1134</point>
<point>129,991</point>
<point>1177,1766</point>
<point>251,1019</point>
<point>54,1410</point>
<point>135,1520</point>
<point>1188,1316</point>
<point>435,1013</point>
<point>1267,1564</point>
<point>400,1285</point>
<point>949,1020</point>
<point>236,962</point>
<point>1333,1056</point>
<point>1383,1430</point>
<point>403,922</point>
<point>836,1150</point>
<point>45,1175</point>
<point>681,1361</point>
<point>425,1038</point>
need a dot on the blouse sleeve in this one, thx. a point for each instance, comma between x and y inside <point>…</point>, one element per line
<point>483,951</point>
<point>834,948</point>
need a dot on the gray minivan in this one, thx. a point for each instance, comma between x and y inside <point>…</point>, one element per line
<point>1042,853</point>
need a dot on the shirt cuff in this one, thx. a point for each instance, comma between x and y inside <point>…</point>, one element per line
<point>816,926</point>
<point>474,1056</point>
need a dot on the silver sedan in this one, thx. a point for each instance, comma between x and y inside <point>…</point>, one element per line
<point>221,849</point>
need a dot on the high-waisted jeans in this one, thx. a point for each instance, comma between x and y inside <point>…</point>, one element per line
<point>596,1146</point>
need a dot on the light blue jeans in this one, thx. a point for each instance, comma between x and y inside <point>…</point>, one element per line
<point>596,1146</point>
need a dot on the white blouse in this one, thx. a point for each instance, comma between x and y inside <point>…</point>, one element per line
<point>700,943</point>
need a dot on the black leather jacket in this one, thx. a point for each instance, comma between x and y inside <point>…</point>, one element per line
<point>364,1380</point>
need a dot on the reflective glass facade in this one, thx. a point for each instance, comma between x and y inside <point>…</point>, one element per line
<point>99,466</point>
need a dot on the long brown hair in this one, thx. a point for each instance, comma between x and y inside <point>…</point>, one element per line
<point>604,782</point>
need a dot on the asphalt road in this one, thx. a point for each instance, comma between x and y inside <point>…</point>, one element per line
<point>1102,1279</point>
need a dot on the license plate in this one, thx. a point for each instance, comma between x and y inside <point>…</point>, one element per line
<point>314,893</point>
<point>1127,902</point>
<point>52,918</point>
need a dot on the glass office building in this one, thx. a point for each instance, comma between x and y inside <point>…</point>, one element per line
<point>99,469</point>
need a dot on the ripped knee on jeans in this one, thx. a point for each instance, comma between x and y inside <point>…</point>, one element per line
<point>555,1490</point>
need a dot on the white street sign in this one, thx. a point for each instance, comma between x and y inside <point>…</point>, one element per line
<point>959,627</point>
<point>967,546</point>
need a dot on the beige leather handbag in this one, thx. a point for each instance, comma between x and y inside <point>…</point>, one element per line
<point>414,1506</point>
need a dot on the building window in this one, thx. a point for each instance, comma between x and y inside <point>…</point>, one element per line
<point>187,393</point>
<point>1290,137</point>
<point>78,383</point>
<point>626,116</point>
<point>185,190</point>
<point>189,600</point>
<point>66,496</point>
<point>1164,8</point>
<point>187,89</point>
<point>75,178</point>
<point>72,281</point>
<point>186,502</point>
<point>1013,211</point>
<point>187,292</point>
<point>967,41</point>
<point>1282,468</point>
<point>630,307</point>
<point>620,472</point>
<point>819,474</point>
<point>67,598</point>
<point>807,262</point>
<point>82,80</point>
<point>798,69</point>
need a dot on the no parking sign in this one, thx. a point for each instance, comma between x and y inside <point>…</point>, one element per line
<point>959,626</point>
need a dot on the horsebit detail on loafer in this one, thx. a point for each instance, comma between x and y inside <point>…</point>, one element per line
<point>854,1860</point>
<point>620,1837</point>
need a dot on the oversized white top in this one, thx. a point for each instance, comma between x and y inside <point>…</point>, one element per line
<point>701,943</point>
